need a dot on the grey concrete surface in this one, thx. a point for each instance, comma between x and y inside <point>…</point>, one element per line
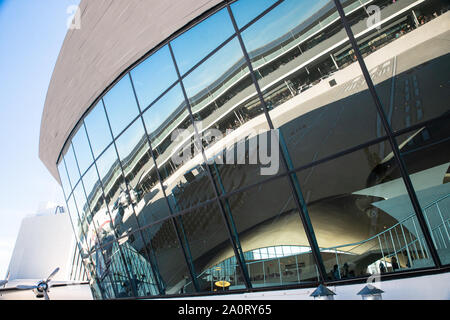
<point>113,35</point>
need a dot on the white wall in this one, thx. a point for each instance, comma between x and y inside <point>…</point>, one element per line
<point>43,244</point>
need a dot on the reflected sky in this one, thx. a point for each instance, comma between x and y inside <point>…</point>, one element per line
<point>82,150</point>
<point>71,164</point>
<point>98,129</point>
<point>213,68</point>
<point>280,21</point>
<point>193,45</point>
<point>163,109</point>
<point>246,10</point>
<point>64,179</point>
<point>129,140</point>
<point>106,161</point>
<point>90,179</point>
<point>80,199</point>
<point>120,105</point>
<point>153,76</point>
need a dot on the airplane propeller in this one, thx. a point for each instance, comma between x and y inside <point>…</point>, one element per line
<point>43,286</point>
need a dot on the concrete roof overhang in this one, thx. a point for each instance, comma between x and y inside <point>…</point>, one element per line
<point>113,36</point>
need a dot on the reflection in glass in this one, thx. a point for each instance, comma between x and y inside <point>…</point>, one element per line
<point>246,10</point>
<point>153,76</point>
<point>140,174</point>
<point>171,264</point>
<point>71,165</point>
<point>207,236</point>
<point>142,280</point>
<point>406,59</point>
<point>193,45</point>
<point>362,215</point>
<point>84,214</point>
<point>98,129</point>
<point>274,223</point>
<point>64,179</point>
<point>82,150</point>
<point>290,52</point>
<point>427,158</point>
<point>93,189</point>
<point>228,113</point>
<point>179,160</point>
<point>120,105</point>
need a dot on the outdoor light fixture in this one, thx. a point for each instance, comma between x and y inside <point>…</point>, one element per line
<point>370,292</point>
<point>323,293</point>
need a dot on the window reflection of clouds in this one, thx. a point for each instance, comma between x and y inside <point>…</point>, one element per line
<point>280,21</point>
<point>246,10</point>
<point>193,45</point>
<point>213,68</point>
<point>98,129</point>
<point>82,149</point>
<point>121,105</point>
<point>153,76</point>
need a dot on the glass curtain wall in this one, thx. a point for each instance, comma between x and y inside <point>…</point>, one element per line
<point>248,152</point>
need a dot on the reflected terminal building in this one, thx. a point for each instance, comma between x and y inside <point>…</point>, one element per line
<point>357,93</point>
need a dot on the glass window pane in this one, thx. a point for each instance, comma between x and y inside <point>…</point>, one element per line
<point>82,150</point>
<point>120,105</point>
<point>98,129</point>
<point>73,212</point>
<point>64,179</point>
<point>193,45</point>
<point>362,216</point>
<point>406,58</point>
<point>113,183</point>
<point>72,168</point>
<point>139,266</point>
<point>153,76</point>
<point>140,174</point>
<point>179,160</point>
<point>164,117</point>
<point>108,166</point>
<point>246,10</point>
<point>84,215</point>
<point>266,217</point>
<point>426,154</point>
<point>306,94</point>
<point>171,264</point>
<point>131,145</point>
<point>93,187</point>
<point>211,251</point>
<point>225,104</point>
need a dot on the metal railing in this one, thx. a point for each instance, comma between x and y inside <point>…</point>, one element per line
<point>401,246</point>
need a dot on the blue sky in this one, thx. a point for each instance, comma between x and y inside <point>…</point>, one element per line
<point>31,35</point>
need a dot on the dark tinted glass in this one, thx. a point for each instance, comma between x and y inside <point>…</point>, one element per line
<point>362,216</point>
<point>427,158</point>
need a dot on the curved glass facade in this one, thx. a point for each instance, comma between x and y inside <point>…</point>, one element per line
<point>164,180</point>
